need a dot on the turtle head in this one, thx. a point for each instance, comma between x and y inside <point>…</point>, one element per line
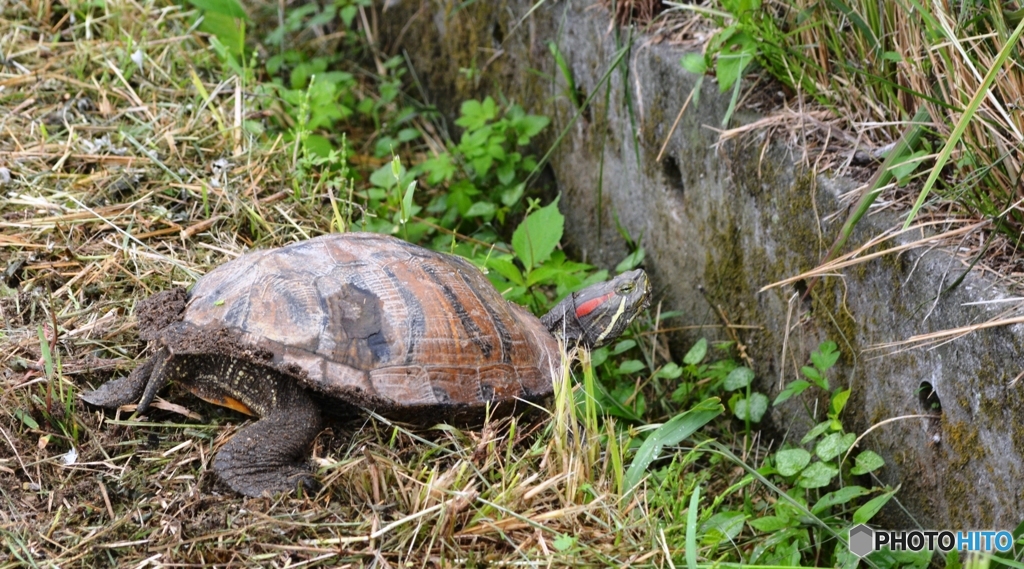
<point>597,314</point>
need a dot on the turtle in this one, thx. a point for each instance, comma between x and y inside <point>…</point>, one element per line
<point>346,321</point>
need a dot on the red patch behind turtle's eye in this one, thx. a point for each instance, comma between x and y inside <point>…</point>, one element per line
<point>589,306</point>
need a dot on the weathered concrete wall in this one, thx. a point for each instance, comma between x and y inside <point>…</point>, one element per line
<point>737,217</point>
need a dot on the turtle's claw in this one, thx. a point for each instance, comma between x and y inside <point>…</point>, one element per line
<point>307,486</point>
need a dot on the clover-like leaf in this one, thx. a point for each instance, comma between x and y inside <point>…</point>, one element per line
<point>791,461</point>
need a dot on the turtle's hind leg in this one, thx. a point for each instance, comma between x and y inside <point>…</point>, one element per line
<point>267,456</point>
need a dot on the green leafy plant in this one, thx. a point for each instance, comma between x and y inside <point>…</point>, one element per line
<point>618,394</point>
<point>536,262</point>
<point>317,96</point>
<point>819,462</point>
<point>746,34</point>
<point>225,21</point>
<point>493,170</point>
<point>391,195</point>
<point>695,378</point>
<point>747,405</point>
<point>818,496</point>
<point>300,18</point>
<point>316,102</point>
<point>822,361</point>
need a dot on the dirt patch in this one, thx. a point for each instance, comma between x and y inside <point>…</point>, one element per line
<point>159,311</point>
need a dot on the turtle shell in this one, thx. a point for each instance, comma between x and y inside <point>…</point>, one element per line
<point>374,320</point>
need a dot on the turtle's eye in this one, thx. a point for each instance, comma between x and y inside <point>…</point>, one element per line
<point>626,288</point>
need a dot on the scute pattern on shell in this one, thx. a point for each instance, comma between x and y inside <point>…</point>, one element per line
<point>374,315</point>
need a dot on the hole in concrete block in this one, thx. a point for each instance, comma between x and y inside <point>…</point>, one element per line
<point>673,175</point>
<point>800,287</point>
<point>928,398</point>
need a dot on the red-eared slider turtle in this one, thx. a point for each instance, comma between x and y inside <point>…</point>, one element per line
<point>347,321</point>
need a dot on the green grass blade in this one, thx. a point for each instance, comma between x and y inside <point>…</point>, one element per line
<point>570,83</point>
<point>615,454</point>
<point>44,350</point>
<point>965,119</point>
<point>671,433</point>
<point>906,145</point>
<point>579,111</point>
<point>858,23</point>
<point>691,529</point>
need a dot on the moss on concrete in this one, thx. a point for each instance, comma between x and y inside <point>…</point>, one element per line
<point>964,445</point>
<point>963,440</point>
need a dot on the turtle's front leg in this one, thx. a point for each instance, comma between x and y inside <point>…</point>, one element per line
<point>139,387</point>
<point>267,457</point>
